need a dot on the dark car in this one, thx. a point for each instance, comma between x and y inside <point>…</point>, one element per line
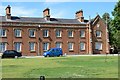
<point>11,54</point>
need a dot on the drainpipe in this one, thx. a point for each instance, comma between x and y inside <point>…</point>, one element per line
<point>107,51</point>
<point>89,31</point>
<point>39,40</point>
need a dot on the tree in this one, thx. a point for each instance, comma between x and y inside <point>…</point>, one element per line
<point>115,24</point>
<point>116,14</point>
<point>107,19</point>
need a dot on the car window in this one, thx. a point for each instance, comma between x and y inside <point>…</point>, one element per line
<point>57,50</point>
<point>53,50</point>
<point>11,51</point>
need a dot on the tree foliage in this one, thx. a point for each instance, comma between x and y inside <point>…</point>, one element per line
<point>116,14</point>
<point>113,25</point>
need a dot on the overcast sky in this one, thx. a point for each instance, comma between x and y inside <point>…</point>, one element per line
<point>58,9</point>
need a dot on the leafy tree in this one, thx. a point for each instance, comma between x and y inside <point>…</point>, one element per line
<point>115,23</point>
<point>107,19</point>
<point>116,14</point>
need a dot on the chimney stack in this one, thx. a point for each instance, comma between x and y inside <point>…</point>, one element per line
<point>79,15</point>
<point>8,12</point>
<point>46,14</point>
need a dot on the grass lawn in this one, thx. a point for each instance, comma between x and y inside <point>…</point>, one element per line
<point>65,67</point>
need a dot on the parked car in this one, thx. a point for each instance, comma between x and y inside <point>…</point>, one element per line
<point>11,54</point>
<point>53,52</point>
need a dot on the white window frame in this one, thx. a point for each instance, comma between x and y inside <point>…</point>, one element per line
<point>58,45</point>
<point>31,31</point>
<point>70,33</point>
<point>32,44</point>
<point>82,33</point>
<point>17,32</point>
<point>3,32</point>
<point>98,31</point>
<point>45,46</point>
<point>70,46</point>
<point>18,47</point>
<point>58,33</point>
<point>98,45</point>
<point>3,46</point>
<point>45,33</point>
<point>82,45</point>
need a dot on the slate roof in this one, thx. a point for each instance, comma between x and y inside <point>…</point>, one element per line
<point>42,20</point>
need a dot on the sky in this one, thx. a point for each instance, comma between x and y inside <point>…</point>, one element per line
<point>58,9</point>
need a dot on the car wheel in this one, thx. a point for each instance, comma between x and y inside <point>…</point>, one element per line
<point>16,57</point>
<point>60,55</point>
<point>48,56</point>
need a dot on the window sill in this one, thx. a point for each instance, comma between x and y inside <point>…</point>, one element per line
<point>3,37</point>
<point>98,49</point>
<point>71,50</point>
<point>18,37</point>
<point>71,37</point>
<point>58,37</point>
<point>31,37</point>
<point>32,51</point>
<point>45,36</point>
<point>19,51</point>
<point>98,36</point>
<point>45,50</point>
<point>82,37</point>
<point>82,50</point>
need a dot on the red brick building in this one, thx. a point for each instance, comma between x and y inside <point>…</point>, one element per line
<point>33,36</point>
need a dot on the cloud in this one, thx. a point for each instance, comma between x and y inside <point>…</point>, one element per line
<point>58,14</point>
<point>2,10</point>
<point>19,11</point>
<point>22,11</point>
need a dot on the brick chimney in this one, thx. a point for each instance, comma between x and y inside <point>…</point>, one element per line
<point>8,12</point>
<point>46,14</point>
<point>79,15</point>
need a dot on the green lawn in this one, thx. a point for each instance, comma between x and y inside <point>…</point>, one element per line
<point>65,67</point>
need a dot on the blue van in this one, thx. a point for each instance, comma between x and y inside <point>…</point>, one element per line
<point>53,52</point>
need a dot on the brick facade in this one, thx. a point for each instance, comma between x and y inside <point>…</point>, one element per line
<point>51,25</point>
